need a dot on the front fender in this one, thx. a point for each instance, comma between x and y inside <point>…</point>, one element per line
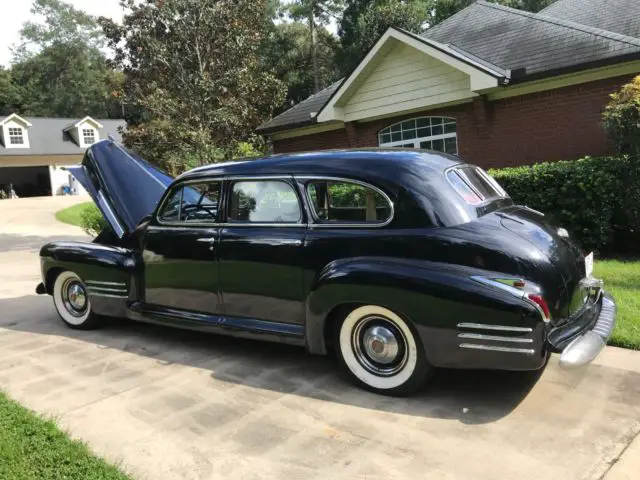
<point>107,269</point>
<point>433,296</point>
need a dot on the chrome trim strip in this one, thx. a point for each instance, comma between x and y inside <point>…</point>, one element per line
<point>502,286</point>
<point>318,223</point>
<point>493,348</point>
<point>496,338</point>
<point>113,220</point>
<point>97,283</point>
<point>104,289</point>
<point>94,294</point>
<point>485,326</point>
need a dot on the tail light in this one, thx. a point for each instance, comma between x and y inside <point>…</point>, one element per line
<point>520,288</point>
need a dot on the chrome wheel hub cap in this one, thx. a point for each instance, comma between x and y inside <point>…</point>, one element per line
<point>74,297</point>
<point>380,344</point>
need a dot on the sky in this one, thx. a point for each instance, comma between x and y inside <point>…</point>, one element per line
<point>16,12</point>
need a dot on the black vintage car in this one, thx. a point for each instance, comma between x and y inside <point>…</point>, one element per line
<point>398,260</point>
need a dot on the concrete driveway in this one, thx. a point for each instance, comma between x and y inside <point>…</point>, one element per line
<point>167,404</point>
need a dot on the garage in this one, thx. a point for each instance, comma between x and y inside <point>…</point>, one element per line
<point>32,181</point>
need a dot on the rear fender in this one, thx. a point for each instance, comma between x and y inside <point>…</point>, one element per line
<point>433,296</point>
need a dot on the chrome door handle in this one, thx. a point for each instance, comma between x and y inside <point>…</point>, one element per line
<point>209,240</point>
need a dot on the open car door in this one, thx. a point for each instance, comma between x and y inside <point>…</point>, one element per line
<point>125,187</point>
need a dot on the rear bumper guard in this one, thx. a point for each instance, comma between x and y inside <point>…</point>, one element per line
<point>584,348</point>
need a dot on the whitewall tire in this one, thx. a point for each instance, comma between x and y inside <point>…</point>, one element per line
<point>72,302</point>
<point>381,352</point>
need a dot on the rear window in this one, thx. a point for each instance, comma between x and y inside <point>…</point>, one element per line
<point>475,185</point>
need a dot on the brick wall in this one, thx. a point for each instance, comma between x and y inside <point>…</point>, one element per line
<point>559,124</point>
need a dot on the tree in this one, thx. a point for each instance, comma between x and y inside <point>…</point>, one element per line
<point>316,13</point>
<point>193,67</point>
<point>443,9</point>
<point>11,95</point>
<point>62,23</point>
<point>365,21</point>
<point>286,51</point>
<point>622,118</point>
<point>67,80</point>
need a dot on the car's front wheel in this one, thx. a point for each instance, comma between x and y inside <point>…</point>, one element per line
<point>381,352</point>
<point>72,302</point>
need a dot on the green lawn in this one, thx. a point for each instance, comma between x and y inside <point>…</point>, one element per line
<point>32,448</point>
<point>622,280</point>
<point>71,215</point>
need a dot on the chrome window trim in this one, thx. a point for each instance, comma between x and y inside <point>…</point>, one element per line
<point>289,180</point>
<point>181,185</point>
<point>318,223</point>
<point>473,189</point>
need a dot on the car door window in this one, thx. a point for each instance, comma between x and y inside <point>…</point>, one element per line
<point>264,201</point>
<point>192,203</point>
<point>348,202</point>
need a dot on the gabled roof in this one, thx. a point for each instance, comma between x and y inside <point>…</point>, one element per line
<point>569,35</point>
<point>80,122</point>
<point>531,44</point>
<point>47,136</point>
<point>619,16</point>
<point>14,116</point>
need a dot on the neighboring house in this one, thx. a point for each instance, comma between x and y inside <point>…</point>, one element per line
<point>498,86</point>
<point>33,151</point>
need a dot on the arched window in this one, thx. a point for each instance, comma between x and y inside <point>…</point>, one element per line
<point>431,133</point>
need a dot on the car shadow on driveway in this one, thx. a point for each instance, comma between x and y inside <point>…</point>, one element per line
<point>469,396</point>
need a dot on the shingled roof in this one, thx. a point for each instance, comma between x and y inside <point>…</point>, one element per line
<point>50,136</point>
<point>569,35</point>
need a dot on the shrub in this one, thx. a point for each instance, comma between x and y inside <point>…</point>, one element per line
<point>92,221</point>
<point>596,199</point>
<point>622,118</point>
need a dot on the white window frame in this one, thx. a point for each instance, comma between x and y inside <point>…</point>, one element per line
<point>20,134</point>
<point>415,142</point>
<point>81,130</point>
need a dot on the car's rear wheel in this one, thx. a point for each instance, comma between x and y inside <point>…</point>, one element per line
<point>381,352</point>
<point>72,302</point>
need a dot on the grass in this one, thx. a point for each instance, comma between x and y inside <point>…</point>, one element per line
<point>622,280</point>
<point>72,215</point>
<point>33,448</point>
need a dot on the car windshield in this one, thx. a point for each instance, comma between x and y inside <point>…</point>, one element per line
<point>475,185</point>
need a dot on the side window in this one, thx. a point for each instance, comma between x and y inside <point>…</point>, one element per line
<point>343,201</point>
<point>264,201</point>
<point>192,203</point>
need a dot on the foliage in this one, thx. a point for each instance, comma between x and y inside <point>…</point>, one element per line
<point>622,280</point>
<point>11,95</point>
<point>32,447</point>
<point>286,50</point>
<point>61,24</point>
<point>66,80</point>
<point>443,9</point>
<point>92,221</point>
<point>193,67</point>
<point>364,22</point>
<point>596,199</point>
<point>622,118</point>
<point>315,13</point>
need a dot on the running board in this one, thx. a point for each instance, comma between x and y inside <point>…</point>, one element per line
<point>234,326</point>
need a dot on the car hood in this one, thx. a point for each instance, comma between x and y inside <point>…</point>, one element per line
<point>125,187</point>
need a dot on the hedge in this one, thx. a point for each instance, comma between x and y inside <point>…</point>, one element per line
<point>596,199</point>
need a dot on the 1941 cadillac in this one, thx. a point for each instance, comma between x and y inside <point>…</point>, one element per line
<point>398,260</point>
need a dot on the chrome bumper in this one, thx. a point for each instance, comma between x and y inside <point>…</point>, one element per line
<point>586,347</point>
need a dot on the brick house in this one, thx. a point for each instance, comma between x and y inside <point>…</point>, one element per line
<point>496,85</point>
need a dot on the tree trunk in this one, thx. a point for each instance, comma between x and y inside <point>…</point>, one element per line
<point>314,54</point>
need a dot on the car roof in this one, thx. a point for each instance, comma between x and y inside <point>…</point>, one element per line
<point>388,163</point>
